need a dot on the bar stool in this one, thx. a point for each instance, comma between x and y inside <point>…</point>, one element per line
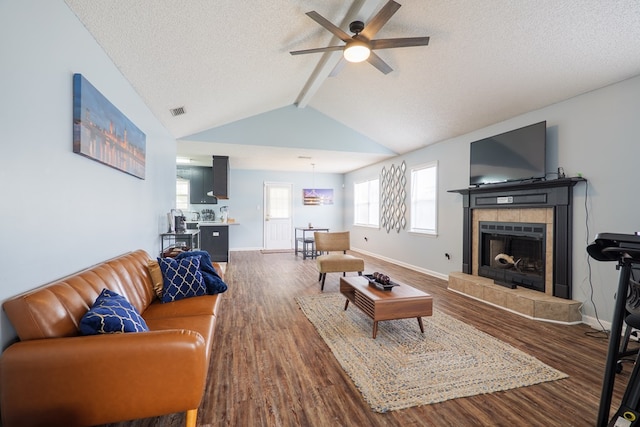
<point>308,248</point>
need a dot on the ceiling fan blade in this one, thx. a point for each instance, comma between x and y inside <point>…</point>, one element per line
<point>317,50</point>
<point>399,42</point>
<point>380,19</point>
<point>377,62</point>
<point>339,66</point>
<point>341,34</point>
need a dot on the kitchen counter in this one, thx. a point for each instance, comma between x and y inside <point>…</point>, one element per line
<point>215,239</point>
<point>216,223</point>
<point>210,223</point>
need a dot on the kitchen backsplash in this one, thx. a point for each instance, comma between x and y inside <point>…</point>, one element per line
<point>206,212</point>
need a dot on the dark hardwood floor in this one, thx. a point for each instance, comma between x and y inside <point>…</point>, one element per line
<point>271,368</point>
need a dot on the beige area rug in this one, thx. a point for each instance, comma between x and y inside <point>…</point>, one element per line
<point>403,367</point>
<point>276,251</point>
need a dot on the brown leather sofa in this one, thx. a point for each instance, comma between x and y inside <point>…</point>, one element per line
<point>55,377</point>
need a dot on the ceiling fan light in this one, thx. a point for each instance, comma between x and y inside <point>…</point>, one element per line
<point>356,52</point>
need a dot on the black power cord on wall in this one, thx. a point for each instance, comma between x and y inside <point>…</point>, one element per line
<point>603,330</point>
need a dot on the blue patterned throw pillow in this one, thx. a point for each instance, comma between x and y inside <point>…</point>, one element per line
<point>111,313</point>
<point>182,278</point>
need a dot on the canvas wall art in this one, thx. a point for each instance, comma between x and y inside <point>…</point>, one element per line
<point>102,133</point>
<point>316,197</point>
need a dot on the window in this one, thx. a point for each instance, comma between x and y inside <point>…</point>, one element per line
<point>366,196</point>
<point>278,201</point>
<point>424,196</point>
<point>182,194</point>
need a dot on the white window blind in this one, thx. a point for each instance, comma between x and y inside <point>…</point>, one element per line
<point>424,189</point>
<point>279,202</point>
<point>182,194</point>
<point>367,203</point>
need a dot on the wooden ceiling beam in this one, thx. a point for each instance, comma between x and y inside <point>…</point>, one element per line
<point>328,61</point>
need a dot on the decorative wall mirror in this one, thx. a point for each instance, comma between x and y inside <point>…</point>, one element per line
<point>393,207</point>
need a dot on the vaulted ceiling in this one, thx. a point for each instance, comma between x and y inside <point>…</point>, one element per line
<point>227,63</point>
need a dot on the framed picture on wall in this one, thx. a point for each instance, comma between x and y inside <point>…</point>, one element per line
<point>102,133</point>
<point>317,197</point>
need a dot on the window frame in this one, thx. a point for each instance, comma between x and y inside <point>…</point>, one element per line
<point>368,203</point>
<point>413,227</point>
<point>187,195</point>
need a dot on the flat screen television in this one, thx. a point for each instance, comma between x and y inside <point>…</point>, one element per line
<point>517,155</point>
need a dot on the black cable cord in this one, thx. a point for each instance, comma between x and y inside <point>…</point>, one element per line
<point>595,309</point>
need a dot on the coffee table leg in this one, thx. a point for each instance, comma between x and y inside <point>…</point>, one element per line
<point>421,325</point>
<point>346,304</point>
<point>375,329</point>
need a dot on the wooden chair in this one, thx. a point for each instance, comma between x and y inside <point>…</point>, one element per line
<point>333,258</point>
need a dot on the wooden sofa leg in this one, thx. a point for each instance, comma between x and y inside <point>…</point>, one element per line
<point>192,417</point>
<point>359,273</point>
<point>324,275</point>
<point>319,277</point>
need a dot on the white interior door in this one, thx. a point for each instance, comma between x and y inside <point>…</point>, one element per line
<point>277,215</point>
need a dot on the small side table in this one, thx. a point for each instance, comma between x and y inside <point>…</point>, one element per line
<point>190,238</point>
<point>305,242</point>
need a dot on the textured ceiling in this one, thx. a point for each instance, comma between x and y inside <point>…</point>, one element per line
<point>487,61</point>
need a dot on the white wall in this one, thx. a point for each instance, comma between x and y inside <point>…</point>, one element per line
<point>595,134</point>
<point>62,212</point>
<point>247,207</point>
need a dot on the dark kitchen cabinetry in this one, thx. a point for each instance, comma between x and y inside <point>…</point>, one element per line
<point>215,240</point>
<point>220,177</point>
<point>200,183</point>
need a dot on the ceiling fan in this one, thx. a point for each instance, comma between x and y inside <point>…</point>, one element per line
<point>360,46</point>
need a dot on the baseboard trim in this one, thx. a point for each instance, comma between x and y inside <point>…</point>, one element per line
<point>595,323</point>
<point>402,264</point>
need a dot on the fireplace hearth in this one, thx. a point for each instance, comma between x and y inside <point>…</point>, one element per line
<point>512,253</point>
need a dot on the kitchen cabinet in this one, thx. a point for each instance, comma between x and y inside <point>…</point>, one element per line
<point>200,183</point>
<point>215,240</point>
<point>220,177</point>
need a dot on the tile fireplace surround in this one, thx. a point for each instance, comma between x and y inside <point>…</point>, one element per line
<point>540,202</point>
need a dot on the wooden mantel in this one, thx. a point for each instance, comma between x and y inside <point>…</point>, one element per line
<point>556,194</point>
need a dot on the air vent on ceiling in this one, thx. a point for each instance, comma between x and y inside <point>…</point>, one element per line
<point>177,111</point>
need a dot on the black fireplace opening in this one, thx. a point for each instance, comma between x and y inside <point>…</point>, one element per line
<point>513,253</point>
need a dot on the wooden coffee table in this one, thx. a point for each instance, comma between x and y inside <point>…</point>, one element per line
<point>402,302</point>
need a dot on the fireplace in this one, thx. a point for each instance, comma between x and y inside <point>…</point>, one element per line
<point>547,203</point>
<point>513,253</point>
<point>519,234</point>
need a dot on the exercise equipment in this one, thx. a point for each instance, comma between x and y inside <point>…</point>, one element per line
<point>625,250</point>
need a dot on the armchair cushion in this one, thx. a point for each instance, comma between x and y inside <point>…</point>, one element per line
<point>111,313</point>
<point>338,263</point>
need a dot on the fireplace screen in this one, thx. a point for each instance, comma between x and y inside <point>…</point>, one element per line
<point>513,254</point>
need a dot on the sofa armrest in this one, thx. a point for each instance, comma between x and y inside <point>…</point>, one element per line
<point>218,269</point>
<point>99,379</point>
